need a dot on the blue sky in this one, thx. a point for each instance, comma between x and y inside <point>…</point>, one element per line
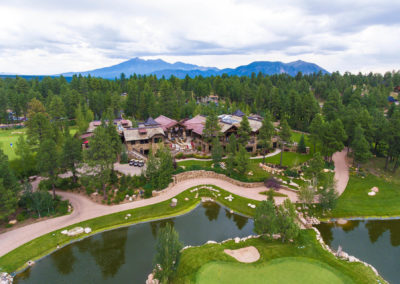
<point>49,37</point>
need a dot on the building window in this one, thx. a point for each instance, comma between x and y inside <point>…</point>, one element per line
<point>146,141</point>
<point>133,142</point>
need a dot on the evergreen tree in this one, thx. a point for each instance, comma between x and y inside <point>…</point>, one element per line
<point>244,131</point>
<point>286,219</point>
<point>71,155</point>
<point>216,151</point>
<point>48,161</point>
<point>265,220</point>
<point>9,188</point>
<point>232,146</point>
<point>301,146</point>
<point>100,156</point>
<point>242,160</point>
<point>168,252</point>
<point>316,130</point>
<point>285,135</point>
<point>211,128</point>
<point>360,146</point>
<point>328,196</point>
<point>266,132</point>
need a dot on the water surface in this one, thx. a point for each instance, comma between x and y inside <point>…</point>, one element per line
<point>125,255</point>
<point>376,242</point>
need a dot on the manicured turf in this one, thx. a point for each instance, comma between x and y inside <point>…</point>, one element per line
<point>10,136</point>
<point>355,201</point>
<point>48,243</point>
<point>274,193</point>
<point>308,255</point>
<point>289,270</point>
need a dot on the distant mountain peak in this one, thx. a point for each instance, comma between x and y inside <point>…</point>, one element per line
<point>180,69</point>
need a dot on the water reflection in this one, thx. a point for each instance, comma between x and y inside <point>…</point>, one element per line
<point>377,228</point>
<point>212,210</point>
<point>376,242</point>
<point>109,251</point>
<point>156,225</point>
<point>64,262</point>
<point>126,255</point>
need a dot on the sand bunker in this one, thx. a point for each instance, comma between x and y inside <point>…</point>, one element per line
<point>246,255</point>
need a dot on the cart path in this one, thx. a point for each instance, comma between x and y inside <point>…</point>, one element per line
<point>85,209</point>
<point>276,152</point>
<point>341,170</point>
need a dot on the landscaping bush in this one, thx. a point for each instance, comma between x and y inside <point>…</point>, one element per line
<point>124,158</point>
<point>180,156</point>
<point>272,183</point>
<point>148,190</point>
<point>291,173</point>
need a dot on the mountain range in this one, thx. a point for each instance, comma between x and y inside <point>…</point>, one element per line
<point>161,68</point>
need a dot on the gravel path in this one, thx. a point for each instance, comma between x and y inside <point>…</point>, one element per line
<point>341,170</point>
<point>85,209</point>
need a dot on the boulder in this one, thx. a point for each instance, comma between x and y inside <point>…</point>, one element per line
<point>174,202</point>
<point>186,199</point>
<point>75,231</point>
<point>88,230</point>
<point>372,193</point>
<point>6,278</point>
<point>237,240</point>
<point>12,222</point>
<point>375,189</point>
<point>65,232</point>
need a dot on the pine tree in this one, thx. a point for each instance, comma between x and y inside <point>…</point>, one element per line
<point>316,130</point>
<point>242,160</point>
<point>265,220</point>
<point>168,252</point>
<point>216,151</point>
<point>301,146</point>
<point>48,161</point>
<point>244,131</point>
<point>266,132</point>
<point>211,128</point>
<point>360,146</point>
<point>285,135</point>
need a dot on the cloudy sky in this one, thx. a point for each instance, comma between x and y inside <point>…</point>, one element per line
<point>49,37</point>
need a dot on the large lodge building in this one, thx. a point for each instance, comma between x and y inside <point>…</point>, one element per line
<point>183,136</point>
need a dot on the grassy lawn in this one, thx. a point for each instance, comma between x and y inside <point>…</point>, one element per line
<point>11,136</point>
<point>289,159</point>
<point>282,270</point>
<point>355,201</point>
<point>45,244</point>
<point>274,193</point>
<point>279,263</point>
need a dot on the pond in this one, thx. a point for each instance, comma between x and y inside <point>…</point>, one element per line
<point>125,255</point>
<point>376,242</point>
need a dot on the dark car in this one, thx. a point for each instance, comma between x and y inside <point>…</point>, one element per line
<point>140,164</point>
<point>132,162</point>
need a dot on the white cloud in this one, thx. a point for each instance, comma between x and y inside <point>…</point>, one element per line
<point>48,37</point>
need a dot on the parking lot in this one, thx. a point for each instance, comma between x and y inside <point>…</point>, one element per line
<point>129,170</point>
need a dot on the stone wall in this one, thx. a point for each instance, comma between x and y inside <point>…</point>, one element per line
<point>210,174</point>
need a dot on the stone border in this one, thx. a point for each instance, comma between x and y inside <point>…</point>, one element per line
<point>344,256</point>
<point>210,174</point>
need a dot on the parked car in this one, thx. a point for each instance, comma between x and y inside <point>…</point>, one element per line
<point>131,162</point>
<point>140,164</point>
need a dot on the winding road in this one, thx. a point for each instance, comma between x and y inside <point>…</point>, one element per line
<point>85,209</point>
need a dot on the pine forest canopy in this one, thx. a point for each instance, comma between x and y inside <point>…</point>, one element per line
<point>344,101</point>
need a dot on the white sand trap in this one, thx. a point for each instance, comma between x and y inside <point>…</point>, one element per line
<point>246,255</point>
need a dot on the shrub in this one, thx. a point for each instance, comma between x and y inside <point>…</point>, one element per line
<point>291,173</point>
<point>272,183</point>
<point>180,156</point>
<point>148,190</point>
<point>124,158</point>
<point>20,217</point>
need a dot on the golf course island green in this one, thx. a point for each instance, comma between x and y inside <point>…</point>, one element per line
<point>303,261</point>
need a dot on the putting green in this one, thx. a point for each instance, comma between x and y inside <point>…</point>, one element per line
<point>283,270</point>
